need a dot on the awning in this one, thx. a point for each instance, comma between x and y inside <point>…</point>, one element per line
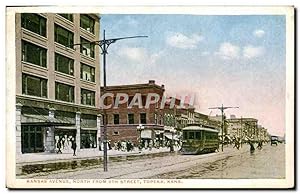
<point>43,120</point>
<point>66,127</point>
<point>89,128</point>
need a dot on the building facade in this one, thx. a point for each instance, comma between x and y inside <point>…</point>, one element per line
<point>134,123</point>
<point>57,82</point>
<point>218,119</point>
<point>205,121</point>
<point>262,133</point>
<point>185,116</point>
<point>245,128</point>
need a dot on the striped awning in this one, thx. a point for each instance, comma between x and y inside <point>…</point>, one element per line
<point>43,120</point>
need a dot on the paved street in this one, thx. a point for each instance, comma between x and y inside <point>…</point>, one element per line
<point>232,163</point>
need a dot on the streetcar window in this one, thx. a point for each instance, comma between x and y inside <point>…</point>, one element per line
<point>208,135</point>
<point>198,135</point>
<point>184,135</point>
<point>191,135</point>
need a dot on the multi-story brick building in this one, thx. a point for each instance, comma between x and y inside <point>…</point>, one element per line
<point>185,116</point>
<point>57,84</point>
<point>130,123</point>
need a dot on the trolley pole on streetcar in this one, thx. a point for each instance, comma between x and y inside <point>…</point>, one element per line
<point>222,108</point>
<point>104,44</point>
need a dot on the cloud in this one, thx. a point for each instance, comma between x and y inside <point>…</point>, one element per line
<point>252,52</point>
<point>205,53</point>
<point>135,54</point>
<point>139,55</point>
<point>182,41</point>
<point>258,33</point>
<point>228,51</point>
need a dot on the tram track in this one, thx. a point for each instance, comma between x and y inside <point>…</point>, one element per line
<point>143,168</point>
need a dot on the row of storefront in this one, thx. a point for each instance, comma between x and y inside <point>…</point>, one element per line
<point>40,128</point>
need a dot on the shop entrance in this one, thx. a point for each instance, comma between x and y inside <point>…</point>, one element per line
<point>65,136</point>
<point>32,139</point>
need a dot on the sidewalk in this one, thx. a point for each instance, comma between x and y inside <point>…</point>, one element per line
<point>40,158</point>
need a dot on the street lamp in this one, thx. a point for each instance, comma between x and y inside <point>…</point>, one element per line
<point>139,128</point>
<point>104,44</point>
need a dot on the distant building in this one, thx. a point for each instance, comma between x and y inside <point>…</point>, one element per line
<point>56,84</point>
<point>205,121</point>
<point>218,118</point>
<point>232,116</point>
<point>262,133</point>
<point>242,127</point>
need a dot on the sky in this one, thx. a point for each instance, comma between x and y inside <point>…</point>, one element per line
<point>230,60</point>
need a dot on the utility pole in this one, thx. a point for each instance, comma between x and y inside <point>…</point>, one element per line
<point>241,129</point>
<point>222,108</point>
<point>241,132</point>
<point>104,44</point>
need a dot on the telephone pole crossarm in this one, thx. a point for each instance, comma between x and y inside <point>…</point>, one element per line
<point>222,108</point>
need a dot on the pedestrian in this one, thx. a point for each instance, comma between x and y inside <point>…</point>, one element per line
<point>171,146</point>
<point>74,146</point>
<point>59,146</point>
<point>252,149</point>
<point>150,145</point>
<point>127,146</point>
<point>119,146</point>
<point>259,146</point>
<point>109,145</point>
<point>236,144</point>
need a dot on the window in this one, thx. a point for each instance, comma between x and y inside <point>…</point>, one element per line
<point>63,36</point>
<point>87,23</point>
<point>88,139</point>
<point>64,92</point>
<point>87,48</point>
<point>191,135</point>
<point>34,54</point>
<point>64,64</point>
<point>184,135</point>
<point>116,133</point>
<point>143,118</point>
<point>87,73</point>
<point>198,135</point>
<point>88,121</point>
<point>67,16</point>
<point>130,118</point>
<point>116,119</point>
<point>32,139</point>
<point>87,97</point>
<point>34,22</point>
<point>34,86</point>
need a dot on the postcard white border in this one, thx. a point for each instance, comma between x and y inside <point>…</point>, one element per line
<point>288,11</point>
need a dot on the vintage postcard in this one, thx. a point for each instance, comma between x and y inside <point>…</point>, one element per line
<point>150,97</point>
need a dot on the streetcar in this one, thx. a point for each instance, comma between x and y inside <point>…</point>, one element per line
<point>198,140</point>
